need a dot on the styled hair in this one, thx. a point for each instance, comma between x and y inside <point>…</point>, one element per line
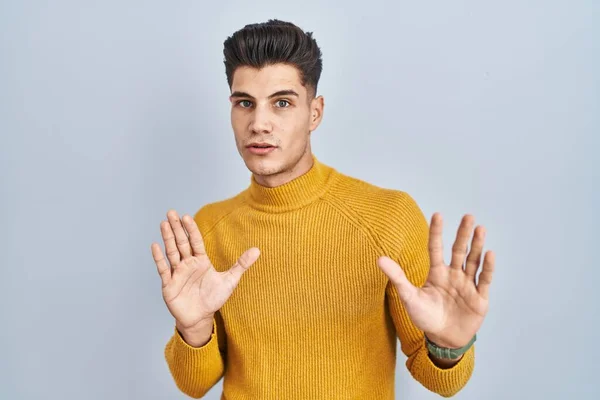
<point>267,43</point>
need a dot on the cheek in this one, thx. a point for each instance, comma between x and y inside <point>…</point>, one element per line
<point>296,126</point>
<point>235,119</point>
<point>238,124</point>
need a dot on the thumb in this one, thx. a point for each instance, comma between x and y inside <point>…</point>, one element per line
<point>406,290</point>
<point>243,263</point>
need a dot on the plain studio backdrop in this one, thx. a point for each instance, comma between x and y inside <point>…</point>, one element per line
<point>112,113</point>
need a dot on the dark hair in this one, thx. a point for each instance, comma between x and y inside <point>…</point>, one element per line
<point>271,42</point>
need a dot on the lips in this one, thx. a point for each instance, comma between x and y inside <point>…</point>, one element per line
<point>260,145</point>
<point>261,149</point>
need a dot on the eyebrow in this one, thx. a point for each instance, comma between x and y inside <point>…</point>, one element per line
<point>287,92</point>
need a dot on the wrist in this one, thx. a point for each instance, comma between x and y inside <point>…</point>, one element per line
<point>444,363</point>
<point>197,335</point>
<point>201,323</point>
<point>439,349</point>
<point>445,343</point>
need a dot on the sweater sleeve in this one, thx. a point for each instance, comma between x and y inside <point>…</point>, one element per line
<point>407,243</point>
<point>196,370</point>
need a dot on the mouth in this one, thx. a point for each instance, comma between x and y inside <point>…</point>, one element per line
<point>260,148</point>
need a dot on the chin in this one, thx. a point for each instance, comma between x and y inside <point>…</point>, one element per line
<point>263,166</point>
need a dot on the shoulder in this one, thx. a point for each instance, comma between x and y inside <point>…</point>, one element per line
<point>392,215</point>
<point>373,201</point>
<point>210,214</point>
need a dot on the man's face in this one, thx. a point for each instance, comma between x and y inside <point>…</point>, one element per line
<point>271,107</point>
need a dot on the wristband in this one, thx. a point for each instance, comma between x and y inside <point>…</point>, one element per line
<point>448,353</point>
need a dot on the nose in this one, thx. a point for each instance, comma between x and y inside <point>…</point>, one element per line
<point>261,121</point>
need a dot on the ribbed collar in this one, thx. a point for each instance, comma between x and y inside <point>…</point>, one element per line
<point>294,194</point>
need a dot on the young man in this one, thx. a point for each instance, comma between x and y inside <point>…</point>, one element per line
<point>327,269</point>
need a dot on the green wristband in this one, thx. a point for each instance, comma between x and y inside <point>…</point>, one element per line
<point>447,353</point>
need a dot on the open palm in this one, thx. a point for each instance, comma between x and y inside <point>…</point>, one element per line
<point>452,304</point>
<point>192,289</point>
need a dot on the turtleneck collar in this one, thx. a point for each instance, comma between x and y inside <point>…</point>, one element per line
<point>294,194</point>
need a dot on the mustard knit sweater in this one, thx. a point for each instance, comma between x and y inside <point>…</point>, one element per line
<point>314,317</point>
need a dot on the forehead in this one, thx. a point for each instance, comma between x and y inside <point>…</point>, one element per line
<point>267,80</point>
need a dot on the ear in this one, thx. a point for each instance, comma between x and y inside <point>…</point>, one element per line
<point>316,112</point>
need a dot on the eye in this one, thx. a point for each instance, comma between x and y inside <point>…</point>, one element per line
<point>245,103</point>
<point>282,103</point>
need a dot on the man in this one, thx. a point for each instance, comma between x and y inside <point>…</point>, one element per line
<point>297,287</point>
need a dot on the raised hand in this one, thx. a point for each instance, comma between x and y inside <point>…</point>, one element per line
<point>192,289</point>
<point>451,306</point>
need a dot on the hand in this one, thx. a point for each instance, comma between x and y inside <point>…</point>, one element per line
<point>192,289</point>
<point>450,307</point>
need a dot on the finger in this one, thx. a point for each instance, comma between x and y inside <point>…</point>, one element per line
<point>196,240</point>
<point>242,264</point>
<point>164,270</point>
<point>406,290</point>
<point>181,238</point>
<point>436,248</point>
<point>474,257</point>
<point>485,277</point>
<point>460,247</point>
<point>170,245</point>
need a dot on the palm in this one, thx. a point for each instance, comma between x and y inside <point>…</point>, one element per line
<point>450,306</point>
<point>195,290</point>
<point>192,289</point>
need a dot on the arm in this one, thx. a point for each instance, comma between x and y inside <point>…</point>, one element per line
<point>196,369</point>
<point>443,377</point>
<point>194,292</point>
<point>407,244</point>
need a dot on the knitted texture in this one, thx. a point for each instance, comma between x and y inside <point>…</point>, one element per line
<point>314,317</point>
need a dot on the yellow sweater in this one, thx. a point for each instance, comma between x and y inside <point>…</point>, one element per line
<point>314,317</point>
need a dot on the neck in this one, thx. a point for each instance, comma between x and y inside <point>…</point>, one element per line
<point>302,166</point>
<point>293,194</point>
